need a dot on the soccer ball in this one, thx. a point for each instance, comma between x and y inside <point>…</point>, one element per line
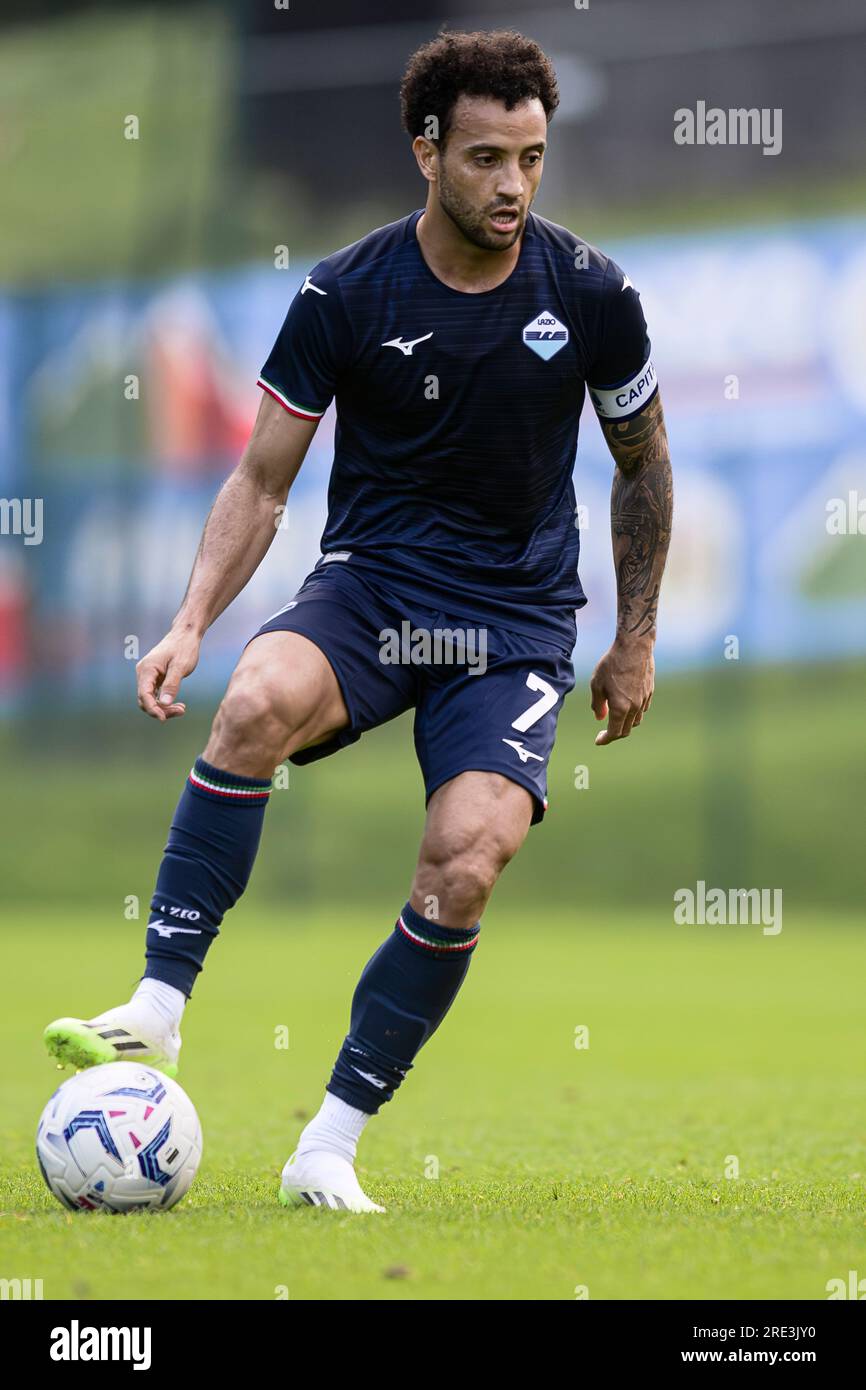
<point>119,1137</point>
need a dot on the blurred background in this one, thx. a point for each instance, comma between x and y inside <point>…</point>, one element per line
<point>169,173</point>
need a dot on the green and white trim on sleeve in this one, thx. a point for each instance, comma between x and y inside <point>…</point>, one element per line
<point>293,407</point>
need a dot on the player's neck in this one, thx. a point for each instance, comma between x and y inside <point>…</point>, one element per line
<point>455,261</point>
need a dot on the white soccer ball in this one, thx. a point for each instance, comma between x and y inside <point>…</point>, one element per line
<point>119,1137</point>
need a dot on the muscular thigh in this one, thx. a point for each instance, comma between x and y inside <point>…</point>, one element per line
<point>283,696</point>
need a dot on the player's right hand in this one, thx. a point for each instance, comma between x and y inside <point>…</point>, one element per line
<point>160,673</point>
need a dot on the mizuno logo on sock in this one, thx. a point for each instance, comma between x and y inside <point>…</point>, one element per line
<point>374,1080</point>
<point>166,929</point>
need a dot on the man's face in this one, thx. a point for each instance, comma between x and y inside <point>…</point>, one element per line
<point>490,169</point>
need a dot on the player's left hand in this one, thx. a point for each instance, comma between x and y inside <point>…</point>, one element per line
<point>622,687</point>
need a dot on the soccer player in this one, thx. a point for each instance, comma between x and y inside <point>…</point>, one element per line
<point>458,343</point>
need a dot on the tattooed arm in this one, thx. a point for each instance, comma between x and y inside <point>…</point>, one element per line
<point>641,507</point>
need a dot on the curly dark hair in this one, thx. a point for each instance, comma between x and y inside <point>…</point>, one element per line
<point>496,63</point>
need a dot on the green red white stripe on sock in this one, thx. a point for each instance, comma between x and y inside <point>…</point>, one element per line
<point>252,791</point>
<point>432,942</point>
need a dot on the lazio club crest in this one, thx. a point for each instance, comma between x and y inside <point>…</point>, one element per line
<point>545,335</point>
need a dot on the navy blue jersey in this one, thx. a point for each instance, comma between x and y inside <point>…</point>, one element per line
<point>457,413</point>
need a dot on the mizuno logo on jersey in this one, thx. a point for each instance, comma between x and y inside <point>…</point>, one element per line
<point>545,335</point>
<point>406,348</point>
<point>308,285</point>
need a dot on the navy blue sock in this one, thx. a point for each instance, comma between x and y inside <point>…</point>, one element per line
<point>403,995</point>
<point>208,860</point>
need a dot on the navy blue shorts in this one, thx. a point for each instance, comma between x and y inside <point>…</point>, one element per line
<point>485,698</point>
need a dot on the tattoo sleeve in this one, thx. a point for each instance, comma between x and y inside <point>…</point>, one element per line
<point>641,509</point>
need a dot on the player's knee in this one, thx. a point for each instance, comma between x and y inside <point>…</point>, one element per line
<point>461,869</point>
<point>467,882</point>
<point>248,727</point>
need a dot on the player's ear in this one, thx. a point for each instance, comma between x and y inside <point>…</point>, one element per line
<point>427,155</point>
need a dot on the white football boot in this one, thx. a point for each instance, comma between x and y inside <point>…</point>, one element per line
<point>323,1179</point>
<point>129,1033</point>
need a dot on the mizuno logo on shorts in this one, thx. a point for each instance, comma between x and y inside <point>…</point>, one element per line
<point>523,753</point>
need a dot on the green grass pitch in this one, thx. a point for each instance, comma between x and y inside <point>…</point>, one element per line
<point>560,1169</point>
